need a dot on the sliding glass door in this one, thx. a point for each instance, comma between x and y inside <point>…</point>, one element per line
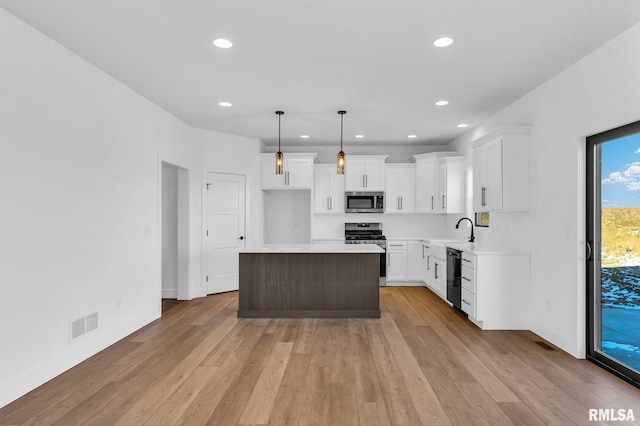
<point>613,249</point>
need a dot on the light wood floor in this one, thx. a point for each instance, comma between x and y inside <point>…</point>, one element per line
<point>421,363</point>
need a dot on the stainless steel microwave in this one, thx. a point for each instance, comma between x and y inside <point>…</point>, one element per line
<point>364,202</point>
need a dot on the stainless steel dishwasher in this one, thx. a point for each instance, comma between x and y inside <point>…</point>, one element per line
<point>454,277</point>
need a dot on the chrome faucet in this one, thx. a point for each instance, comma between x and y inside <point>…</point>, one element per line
<point>471,238</point>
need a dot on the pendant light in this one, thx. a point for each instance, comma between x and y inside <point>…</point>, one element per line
<point>279,156</point>
<point>341,156</point>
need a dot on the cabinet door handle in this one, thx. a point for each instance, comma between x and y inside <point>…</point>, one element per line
<point>331,203</point>
<point>328,208</point>
<point>428,263</point>
<point>466,279</point>
<point>366,181</point>
<point>363,184</point>
<point>466,302</point>
<point>466,260</point>
<point>443,206</point>
<point>484,196</point>
<point>423,251</point>
<point>401,203</point>
<point>389,260</point>
<point>432,202</point>
<point>398,203</point>
<point>436,266</point>
<point>396,245</point>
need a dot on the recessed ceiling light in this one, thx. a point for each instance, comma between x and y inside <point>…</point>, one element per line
<point>222,43</point>
<point>412,136</point>
<point>463,125</point>
<point>359,136</point>
<point>304,136</point>
<point>224,104</point>
<point>442,103</point>
<point>443,42</point>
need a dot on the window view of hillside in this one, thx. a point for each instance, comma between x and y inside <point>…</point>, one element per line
<point>620,253</point>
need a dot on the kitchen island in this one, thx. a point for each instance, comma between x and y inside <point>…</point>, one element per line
<point>309,281</point>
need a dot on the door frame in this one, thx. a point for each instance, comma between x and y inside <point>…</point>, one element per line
<point>184,178</point>
<point>203,227</point>
<point>592,228</point>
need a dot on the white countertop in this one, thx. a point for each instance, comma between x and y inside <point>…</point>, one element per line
<point>479,248</point>
<point>427,239</point>
<point>475,248</point>
<point>312,248</point>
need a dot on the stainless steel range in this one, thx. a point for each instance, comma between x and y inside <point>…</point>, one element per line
<point>368,233</point>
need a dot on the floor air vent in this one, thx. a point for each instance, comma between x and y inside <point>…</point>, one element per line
<point>83,325</point>
<point>544,346</point>
<point>92,322</point>
<point>77,328</point>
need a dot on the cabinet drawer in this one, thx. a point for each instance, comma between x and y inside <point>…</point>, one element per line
<point>396,245</point>
<point>469,302</point>
<point>468,278</point>
<point>468,259</point>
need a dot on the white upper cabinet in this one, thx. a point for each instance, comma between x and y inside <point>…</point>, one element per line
<point>426,185</point>
<point>501,170</point>
<point>328,189</point>
<point>365,173</point>
<point>440,180</point>
<point>298,171</point>
<point>450,185</point>
<point>400,188</point>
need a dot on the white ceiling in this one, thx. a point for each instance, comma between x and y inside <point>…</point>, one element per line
<point>373,58</point>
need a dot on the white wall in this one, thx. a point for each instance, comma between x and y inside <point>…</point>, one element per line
<point>169,231</point>
<point>599,92</point>
<point>80,175</point>
<point>223,153</point>
<point>287,214</point>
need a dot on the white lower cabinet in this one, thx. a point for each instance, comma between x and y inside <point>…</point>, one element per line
<point>406,262</point>
<point>436,268</point>
<point>469,302</point>
<point>415,257</point>
<point>440,276</point>
<point>468,278</point>
<point>396,261</point>
<point>495,287</point>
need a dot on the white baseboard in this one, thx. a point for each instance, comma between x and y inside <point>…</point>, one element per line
<point>557,339</point>
<point>13,390</point>
<point>405,284</point>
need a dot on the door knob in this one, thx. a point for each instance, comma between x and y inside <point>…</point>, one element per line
<point>241,237</point>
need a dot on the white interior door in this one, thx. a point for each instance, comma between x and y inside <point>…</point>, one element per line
<point>225,230</point>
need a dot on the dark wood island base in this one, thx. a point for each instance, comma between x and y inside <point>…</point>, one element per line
<point>309,285</point>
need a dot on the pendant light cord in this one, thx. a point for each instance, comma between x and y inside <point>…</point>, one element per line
<point>341,123</point>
